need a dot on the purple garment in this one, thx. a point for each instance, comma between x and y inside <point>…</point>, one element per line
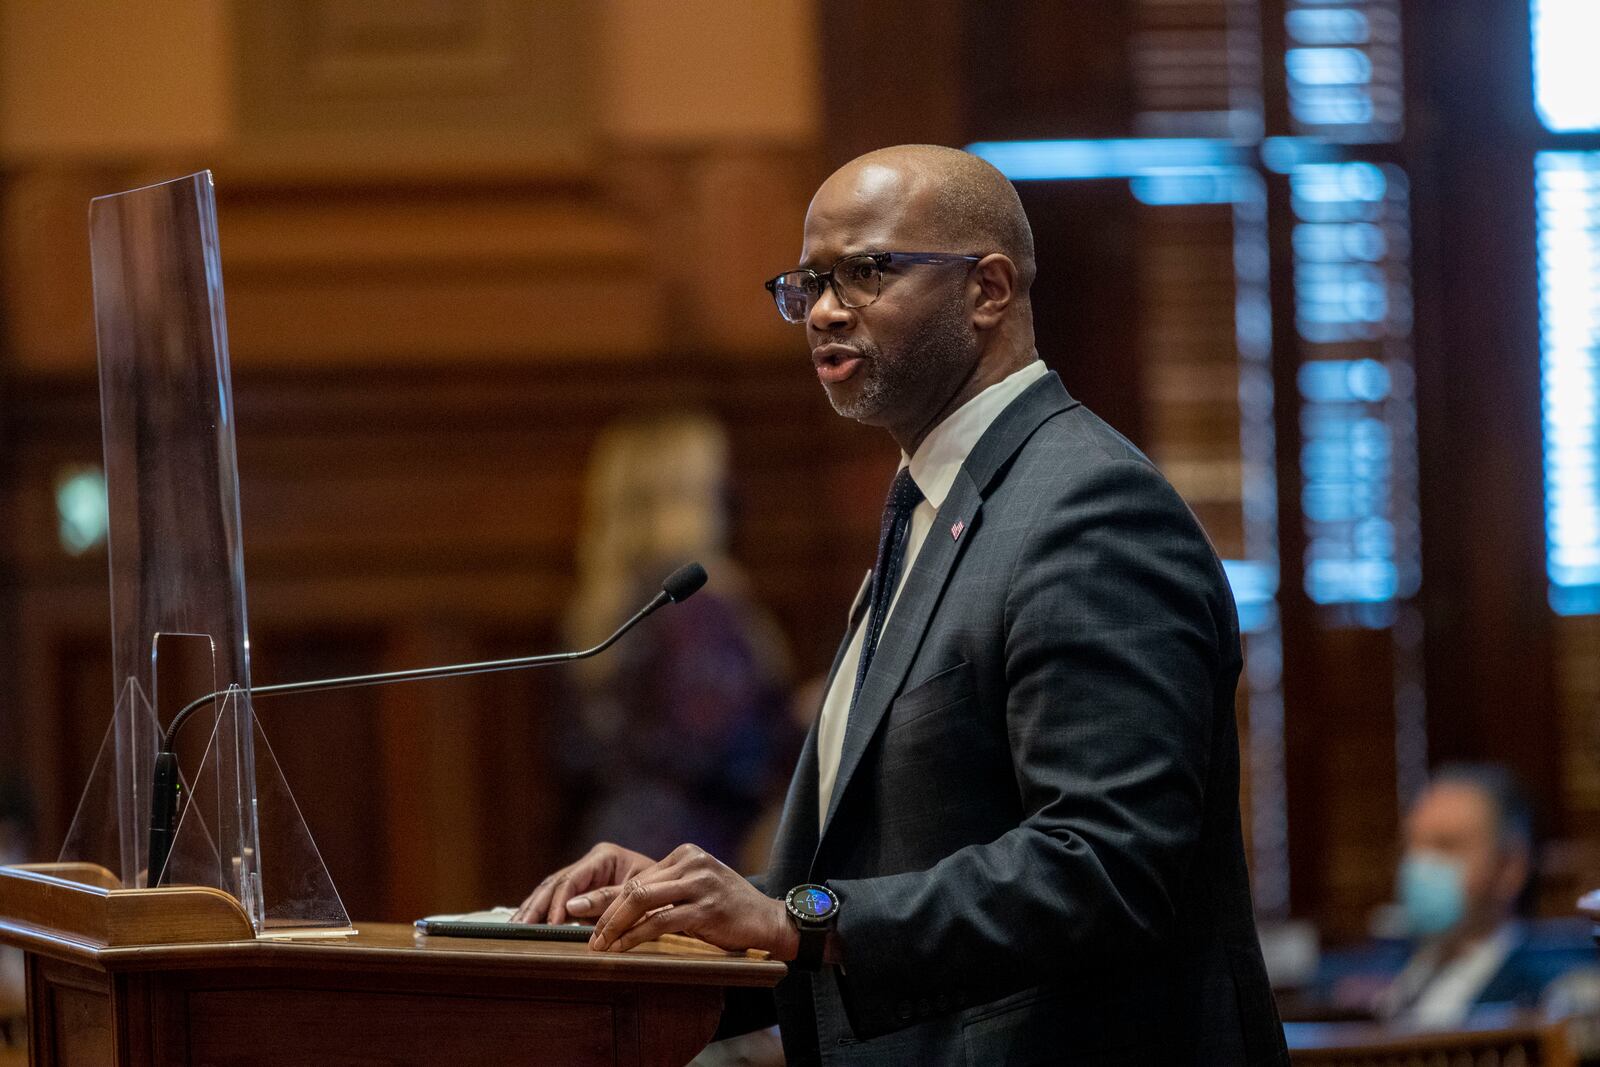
<point>684,739</point>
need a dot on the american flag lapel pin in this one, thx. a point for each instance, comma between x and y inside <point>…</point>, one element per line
<point>955,531</point>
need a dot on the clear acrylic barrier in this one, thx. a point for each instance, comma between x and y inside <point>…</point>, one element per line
<point>177,577</point>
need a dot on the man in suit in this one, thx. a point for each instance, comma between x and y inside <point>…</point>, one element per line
<point>1013,836</point>
<point>1466,868</point>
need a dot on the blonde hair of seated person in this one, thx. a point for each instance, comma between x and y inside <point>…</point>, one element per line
<point>655,496</point>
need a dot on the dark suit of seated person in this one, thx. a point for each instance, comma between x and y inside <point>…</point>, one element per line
<point>1467,864</point>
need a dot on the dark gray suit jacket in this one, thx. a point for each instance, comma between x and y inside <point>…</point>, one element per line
<point>1034,834</point>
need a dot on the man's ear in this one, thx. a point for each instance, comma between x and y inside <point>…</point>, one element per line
<point>995,278</point>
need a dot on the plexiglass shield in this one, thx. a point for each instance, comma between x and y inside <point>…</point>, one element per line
<point>178,622</point>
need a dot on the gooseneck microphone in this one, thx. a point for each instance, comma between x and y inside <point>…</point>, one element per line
<point>167,796</point>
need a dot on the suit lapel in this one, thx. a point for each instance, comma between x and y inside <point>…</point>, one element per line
<point>794,842</point>
<point>908,623</point>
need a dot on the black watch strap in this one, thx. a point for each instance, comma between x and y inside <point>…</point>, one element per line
<point>812,942</point>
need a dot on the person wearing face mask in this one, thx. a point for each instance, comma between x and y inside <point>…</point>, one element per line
<point>1467,865</point>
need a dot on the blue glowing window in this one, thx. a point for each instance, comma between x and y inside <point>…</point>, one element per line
<point>1343,65</point>
<point>1255,592</point>
<point>1347,456</point>
<point>1115,158</point>
<point>1358,449</point>
<point>1568,204</point>
<point>1193,185</point>
<point>1162,171</point>
<point>1566,39</point>
<point>1350,234</point>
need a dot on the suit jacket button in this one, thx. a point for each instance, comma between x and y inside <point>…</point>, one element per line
<point>903,1010</point>
<point>924,1006</point>
<point>942,1002</point>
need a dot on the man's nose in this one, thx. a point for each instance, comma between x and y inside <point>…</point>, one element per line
<point>828,314</point>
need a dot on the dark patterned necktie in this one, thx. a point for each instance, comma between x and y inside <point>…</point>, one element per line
<point>904,496</point>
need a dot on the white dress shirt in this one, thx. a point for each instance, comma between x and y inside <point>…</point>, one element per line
<point>934,469</point>
<point>1430,996</point>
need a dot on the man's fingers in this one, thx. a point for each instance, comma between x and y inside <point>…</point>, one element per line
<point>679,864</point>
<point>598,901</point>
<point>581,878</point>
<point>634,898</point>
<point>559,896</point>
<point>594,902</point>
<point>631,901</point>
<point>679,918</point>
<point>604,865</point>
<point>529,908</point>
<point>533,909</point>
<point>547,902</point>
<point>550,895</point>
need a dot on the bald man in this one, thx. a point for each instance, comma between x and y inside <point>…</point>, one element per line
<point>1013,835</point>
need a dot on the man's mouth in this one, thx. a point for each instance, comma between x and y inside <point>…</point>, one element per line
<point>836,363</point>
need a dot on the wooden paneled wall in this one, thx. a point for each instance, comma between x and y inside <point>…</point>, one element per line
<point>420,517</point>
<point>458,238</point>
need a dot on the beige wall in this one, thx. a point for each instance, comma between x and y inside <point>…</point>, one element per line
<point>420,181</point>
<point>112,78</point>
<point>702,70</point>
<point>98,79</point>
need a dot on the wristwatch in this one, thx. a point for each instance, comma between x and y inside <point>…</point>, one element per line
<point>812,909</point>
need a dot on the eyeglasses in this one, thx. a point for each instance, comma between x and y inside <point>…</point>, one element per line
<point>857,280</point>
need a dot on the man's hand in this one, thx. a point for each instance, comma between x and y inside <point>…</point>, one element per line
<point>691,892</point>
<point>552,900</point>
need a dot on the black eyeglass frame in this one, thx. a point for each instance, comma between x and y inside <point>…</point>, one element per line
<point>880,260</point>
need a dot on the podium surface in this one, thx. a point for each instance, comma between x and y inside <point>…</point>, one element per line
<point>176,976</point>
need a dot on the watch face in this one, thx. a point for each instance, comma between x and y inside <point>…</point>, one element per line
<point>813,902</point>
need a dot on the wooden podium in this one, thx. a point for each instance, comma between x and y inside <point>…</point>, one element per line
<point>152,977</point>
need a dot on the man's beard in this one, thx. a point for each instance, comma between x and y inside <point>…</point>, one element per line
<point>938,349</point>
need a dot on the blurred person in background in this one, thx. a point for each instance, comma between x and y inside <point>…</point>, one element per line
<point>1463,884</point>
<point>682,732</point>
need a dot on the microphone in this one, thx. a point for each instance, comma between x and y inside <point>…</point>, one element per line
<point>166,801</point>
<point>682,584</point>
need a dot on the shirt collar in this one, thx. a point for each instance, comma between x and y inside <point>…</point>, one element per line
<point>1481,960</point>
<point>938,459</point>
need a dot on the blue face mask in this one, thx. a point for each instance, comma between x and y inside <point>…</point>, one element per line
<point>1431,894</point>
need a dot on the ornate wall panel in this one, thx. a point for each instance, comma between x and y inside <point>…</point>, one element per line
<point>447,84</point>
